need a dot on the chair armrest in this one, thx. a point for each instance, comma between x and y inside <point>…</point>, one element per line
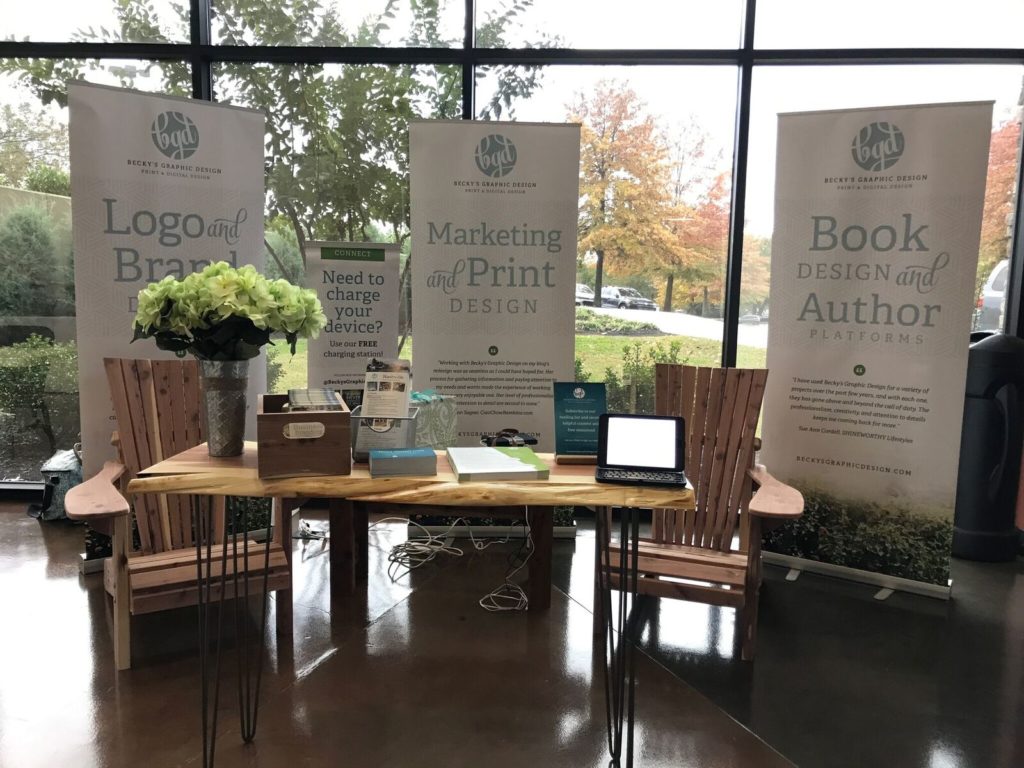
<point>774,499</point>
<point>97,498</point>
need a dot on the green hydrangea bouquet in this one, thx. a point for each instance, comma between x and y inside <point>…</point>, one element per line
<point>225,313</point>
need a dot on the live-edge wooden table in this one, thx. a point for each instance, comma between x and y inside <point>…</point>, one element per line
<point>195,473</point>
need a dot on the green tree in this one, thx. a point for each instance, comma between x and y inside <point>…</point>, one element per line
<point>31,280</point>
<point>337,136</point>
<point>282,256</point>
<point>625,206</point>
<point>29,138</point>
<point>754,289</point>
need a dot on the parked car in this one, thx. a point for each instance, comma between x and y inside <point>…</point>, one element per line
<point>988,315</point>
<point>584,295</point>
<point>625,298</point>
<point>750,319</point>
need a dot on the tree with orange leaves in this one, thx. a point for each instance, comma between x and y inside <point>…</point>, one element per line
<point>625,203</point>
<point>997,218</point>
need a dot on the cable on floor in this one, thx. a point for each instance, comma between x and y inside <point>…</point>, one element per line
<point>415,553</point>
<point>509,596</point>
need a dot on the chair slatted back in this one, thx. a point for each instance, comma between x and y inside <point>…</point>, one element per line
<point>721,407</point>
<point>157,406</point>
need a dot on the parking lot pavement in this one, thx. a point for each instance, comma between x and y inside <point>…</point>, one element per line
<point>679,324</point>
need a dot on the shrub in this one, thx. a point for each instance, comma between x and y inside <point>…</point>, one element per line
<point>258,513</point>
<point>275,368</point>
<point>50,180</point>
<point>590,322</point>
<point>891,540</point>
<point>34,371</point>
<point>633,390</point>
<point>579,374</point>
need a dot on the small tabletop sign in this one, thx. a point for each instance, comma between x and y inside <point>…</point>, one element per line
<point>578,407</point>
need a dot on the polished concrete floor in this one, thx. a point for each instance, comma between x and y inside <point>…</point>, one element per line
<point>409,674</point>
<point>414,673</point>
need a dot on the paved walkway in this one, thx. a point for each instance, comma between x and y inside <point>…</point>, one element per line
<point>680,324</point>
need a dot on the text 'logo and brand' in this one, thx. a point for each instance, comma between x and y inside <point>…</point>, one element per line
<point>878,146</point>
<point>175,135</point>
<point>495,155</point>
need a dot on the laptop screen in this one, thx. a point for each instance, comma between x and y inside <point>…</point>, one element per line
<point>641,442</point>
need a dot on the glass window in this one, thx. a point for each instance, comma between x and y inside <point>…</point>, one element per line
<point>100,21</point>
<point>609,24</point>
<point>778,90</point>
<point>342,23</point>
<point>38,359</point>
<point>337,159</point>
<point>887,24</point>
<point>655,184</point>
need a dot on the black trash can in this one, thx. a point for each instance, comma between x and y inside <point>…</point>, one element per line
<point>990,450</point>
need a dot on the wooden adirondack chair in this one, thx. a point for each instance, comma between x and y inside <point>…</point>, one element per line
<point>697,555</point>
<point>157,405</point>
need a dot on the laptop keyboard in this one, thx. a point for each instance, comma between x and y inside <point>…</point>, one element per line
<point>632,476</point>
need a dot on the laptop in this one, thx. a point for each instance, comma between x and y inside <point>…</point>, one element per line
<point>641,450</point>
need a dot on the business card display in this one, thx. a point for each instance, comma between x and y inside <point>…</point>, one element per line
<point>578,409</point>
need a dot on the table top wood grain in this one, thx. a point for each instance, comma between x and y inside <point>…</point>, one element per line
<point>195,472</point>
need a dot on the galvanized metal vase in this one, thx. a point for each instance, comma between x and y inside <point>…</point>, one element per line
<point>224,384</point>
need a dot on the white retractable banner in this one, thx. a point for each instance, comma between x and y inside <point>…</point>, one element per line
<point>160,186</point>
<point>494,208</point>
<point>874,256</point>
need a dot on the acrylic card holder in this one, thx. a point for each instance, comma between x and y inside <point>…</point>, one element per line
<point>373,433</point>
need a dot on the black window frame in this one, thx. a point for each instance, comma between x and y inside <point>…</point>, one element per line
<point>202,55</point>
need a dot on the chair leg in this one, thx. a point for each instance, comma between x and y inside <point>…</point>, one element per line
<point>748,625</point>
<point>122,595</point>
<point>752,589</point>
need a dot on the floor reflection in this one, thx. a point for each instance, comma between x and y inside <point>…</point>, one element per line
<point>412,672</point>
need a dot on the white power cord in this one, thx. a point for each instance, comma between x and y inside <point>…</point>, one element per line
<point>510,596</point>
<point>415,553</point>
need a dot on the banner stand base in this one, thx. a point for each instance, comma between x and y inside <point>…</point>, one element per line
<point>893,583</point>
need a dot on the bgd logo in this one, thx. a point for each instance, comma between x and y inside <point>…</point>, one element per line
<point>175,135</point>
<point>877,146</point>
<point>495,155</point>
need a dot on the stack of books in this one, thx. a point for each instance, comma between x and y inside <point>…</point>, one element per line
<point>514,463</point>
<point>402,461</point>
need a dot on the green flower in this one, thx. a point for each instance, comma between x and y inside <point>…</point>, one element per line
<point>225,313</point>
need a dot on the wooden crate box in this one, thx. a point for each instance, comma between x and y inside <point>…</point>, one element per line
<point>302,442</point>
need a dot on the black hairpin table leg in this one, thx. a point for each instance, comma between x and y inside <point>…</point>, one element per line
<point>202,526</point>
<point>250,663</point>
<point>620,660</point>
<point>250,667</point>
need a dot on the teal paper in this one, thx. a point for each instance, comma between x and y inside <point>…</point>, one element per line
<point>578,407</point>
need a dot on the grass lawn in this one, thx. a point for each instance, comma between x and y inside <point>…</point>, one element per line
<point>597,353</point>
<point>293,368</point>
